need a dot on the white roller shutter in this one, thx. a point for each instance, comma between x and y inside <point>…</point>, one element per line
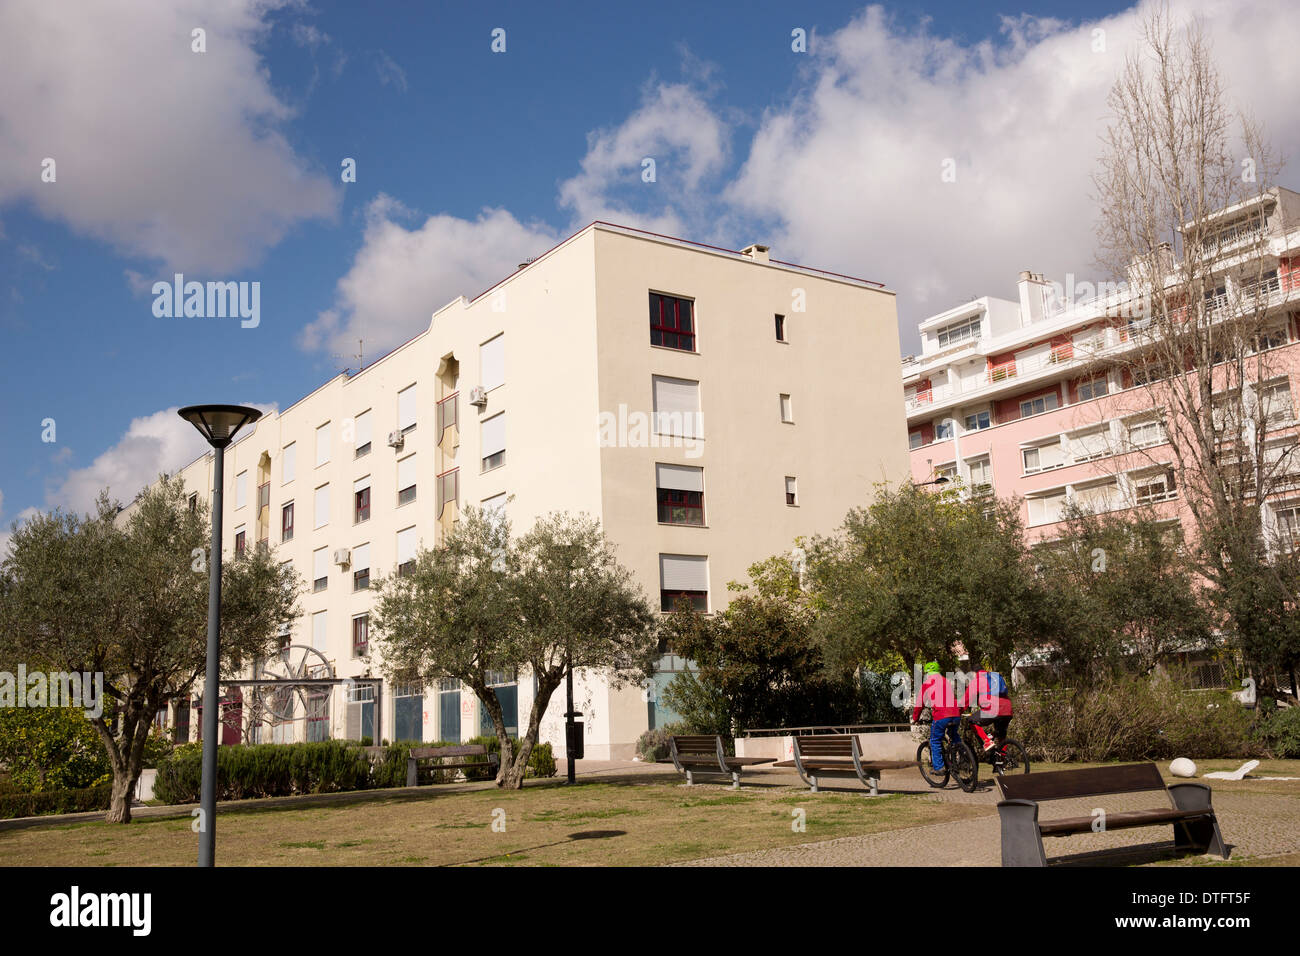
<point>406,407</point>
<point>492,362</point>
<point>1047,509</point>
<point>1098,498</point>
<point>683,572</point>
<point>679,477</point>
<point>494,435</point>
<point>323,444</point>
<point>677,407</point>
<point>361,484</point>
<point>241,489</point>
<point>322,510</point>
<point>1089,445</point>
<point>361,557</point>
<point>406,472</point>
<point>320,563</point>
<point>289,462</point>
<point>319,630</point>
<point>405,545</point>
<point>362,436</point>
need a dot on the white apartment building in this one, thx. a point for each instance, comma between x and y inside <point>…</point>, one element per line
<point>708,406</point>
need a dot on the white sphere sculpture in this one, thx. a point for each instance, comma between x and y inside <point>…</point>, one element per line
<point>1182,767</point>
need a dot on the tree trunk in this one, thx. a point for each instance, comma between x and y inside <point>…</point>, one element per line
<point>119,808</point>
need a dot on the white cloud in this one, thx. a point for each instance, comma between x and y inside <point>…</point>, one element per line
<point>848,173</point>
<point>400,275</point>
<point>154,444</point>
<point>165,153</point>
<point>676,128</point>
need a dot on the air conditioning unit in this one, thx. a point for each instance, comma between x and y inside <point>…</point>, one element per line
<point>342,556</point>
<point>396,439</point>
<point>478,396</point>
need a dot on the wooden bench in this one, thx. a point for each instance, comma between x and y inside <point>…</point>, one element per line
<point>464,753</point>
<point>1189,809</point>
<point>703,753</point>
<point>838,754</point>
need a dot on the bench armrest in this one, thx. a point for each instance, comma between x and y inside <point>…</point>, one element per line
<point>1190,796</point>
<point>1018,803</point>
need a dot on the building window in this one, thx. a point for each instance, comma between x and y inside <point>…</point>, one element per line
<point>1090,445</point>
<point>319,630</point>
<point>943,430</point>
<point>1150,489</point>
<point>672,322</point>
<point>1276,403</point>
<point>240,543</point>
<point>362,436</point>
<point>492,435</point>
<point>680,494</point>
<point>684,575</point>
<point>1043,457</point>
<point>361,567</point>
<point>448,489</point>
<point>1144,434</point>
<point>286,522</point>
<point>981,476</point>
<point>791,491</point>
<point>978,421</point>
<point>1095,388</point>
<point>322,515</point>
<point>787,410</point>
<point>406,480</point>
<point>288,462</point>
<point>194,503</point>
<point>405,552</point>
<point>1036,406</point>
<point>241,489</point>
<point>406,409</point>
<point>361,635</point>
<point>780,328</point>
<point>361,500</point>
<point>1046,509</point>
<point>322,444</point>
<point>962,332</point>
<point>447,415</point>
<point>320,569</point>
<point>492,362</point>
<point>914,440</point>
<point>677,407</point>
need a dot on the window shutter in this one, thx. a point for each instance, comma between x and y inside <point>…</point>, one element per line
<point>406,472</point>
<point>1095,444</point>
<point>406,407</point>
<point>492,362</point>
<point>241,489</point>
<point>362,436</point>
<point>320,563</point>
<point>494,435</point>
<point>319,630</point>
<point>289,462</point>
<point>405,545</point>
<point>1098,498</point>
<point>322,515</point>
<point>361,557</point>
<point>790,485</point>
<point>679,477</point>
<point>323,444</point>
<point>361,484</point>
<point>677,407</point>
<point>683,572</point>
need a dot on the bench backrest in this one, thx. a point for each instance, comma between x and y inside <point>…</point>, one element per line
<point>825,745</point>
<point>696,744</point>
<point>466,750</point>
<point>1089,782</point>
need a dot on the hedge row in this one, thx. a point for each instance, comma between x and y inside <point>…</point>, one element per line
<point>55,801</point>
<point>330,766</point>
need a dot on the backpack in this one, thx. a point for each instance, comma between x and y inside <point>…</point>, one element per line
<point>997,687</point>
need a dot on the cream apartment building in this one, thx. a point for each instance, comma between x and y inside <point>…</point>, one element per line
<point>707,405</point>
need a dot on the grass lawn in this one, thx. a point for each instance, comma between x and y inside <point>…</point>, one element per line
<point>641,823</point>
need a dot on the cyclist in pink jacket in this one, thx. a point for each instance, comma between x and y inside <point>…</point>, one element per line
<point>937,693</point>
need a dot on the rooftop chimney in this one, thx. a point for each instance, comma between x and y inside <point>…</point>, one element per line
<point>1034,293</point>
<point>756,252</point>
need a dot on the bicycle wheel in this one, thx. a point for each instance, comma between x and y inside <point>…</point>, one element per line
<point>965,767</point>
<point>1013,759</point>
<point>935,778</point>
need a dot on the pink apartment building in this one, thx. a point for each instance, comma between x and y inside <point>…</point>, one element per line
<point>1016,397</point>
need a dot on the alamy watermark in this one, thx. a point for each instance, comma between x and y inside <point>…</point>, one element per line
<point>56,689</point>
<point>211,300</point>
<point>638,429</point>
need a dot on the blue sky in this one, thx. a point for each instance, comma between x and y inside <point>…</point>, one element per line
<point>224,165</point>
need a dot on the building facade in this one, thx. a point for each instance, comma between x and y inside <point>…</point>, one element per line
<point>694,399</point>
<point>1038,399</point>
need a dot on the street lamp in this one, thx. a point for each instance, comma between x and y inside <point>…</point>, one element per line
<point>572,729</point>
<point>941,480</point>
<point>218,425</point>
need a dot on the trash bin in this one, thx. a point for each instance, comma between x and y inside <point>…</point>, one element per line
<point>573,738</point>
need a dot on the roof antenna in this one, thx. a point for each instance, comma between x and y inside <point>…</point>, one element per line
<point>359,356</point>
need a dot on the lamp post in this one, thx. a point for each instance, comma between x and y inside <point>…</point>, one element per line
<point>218,425</point>
<point>572,738</point>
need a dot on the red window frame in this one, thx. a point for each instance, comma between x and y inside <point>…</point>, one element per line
<point>286,522</point>
<point>360,629</point>
<point>240,544</point>
<point>667,328</point>
<point>688,504</point>
<point>361,506</point>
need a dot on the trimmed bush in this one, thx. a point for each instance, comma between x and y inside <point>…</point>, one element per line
<point>541,762</point>
<point>652,746</point>
<point>267,770</point>
<point>1131,718</point>
<point>55,801</point>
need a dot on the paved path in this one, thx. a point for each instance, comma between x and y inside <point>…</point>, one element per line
<point>1254,824</point>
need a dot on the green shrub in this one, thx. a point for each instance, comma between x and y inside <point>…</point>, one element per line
<point>51,748</point>
<point>541,762</point>
<point>652,746</point>
<point>267,770</point>
<point>1131,718</point>
<point>1279,731</point>
<point>55,801</point>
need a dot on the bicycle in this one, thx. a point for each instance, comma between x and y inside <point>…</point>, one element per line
<point>1011,757</point>
<point>957,755</point>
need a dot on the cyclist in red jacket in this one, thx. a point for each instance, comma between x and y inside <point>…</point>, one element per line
<point>937,693</point>
<point>990,697</point>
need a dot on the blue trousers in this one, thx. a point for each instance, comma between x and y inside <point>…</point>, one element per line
<point>938,728</point>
